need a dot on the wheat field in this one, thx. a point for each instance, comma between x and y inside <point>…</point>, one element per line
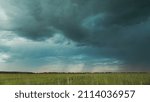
<point>75,78</point>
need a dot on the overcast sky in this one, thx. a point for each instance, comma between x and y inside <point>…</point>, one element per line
<point>75,35</point>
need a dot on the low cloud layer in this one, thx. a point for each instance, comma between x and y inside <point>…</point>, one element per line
<point>117,29</point>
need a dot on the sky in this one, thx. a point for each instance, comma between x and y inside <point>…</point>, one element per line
<point>75,35</point>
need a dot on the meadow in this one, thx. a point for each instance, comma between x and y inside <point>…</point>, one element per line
<point>75,78</point>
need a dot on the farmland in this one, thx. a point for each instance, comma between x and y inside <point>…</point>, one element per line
<point>74,78</point>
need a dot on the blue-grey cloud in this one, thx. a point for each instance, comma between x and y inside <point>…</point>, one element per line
<point>113,29</point>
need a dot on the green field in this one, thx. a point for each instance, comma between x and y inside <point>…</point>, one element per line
<point>75,79</point>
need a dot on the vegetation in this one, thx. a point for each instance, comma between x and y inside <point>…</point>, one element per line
<point>75,78</point>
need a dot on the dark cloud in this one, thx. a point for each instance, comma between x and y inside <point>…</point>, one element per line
<point>118,28</point>
<point>128,12</point>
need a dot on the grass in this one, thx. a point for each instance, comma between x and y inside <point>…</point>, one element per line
<point>75,79</point>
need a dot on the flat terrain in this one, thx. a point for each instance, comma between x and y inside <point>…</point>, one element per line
<point>75,78</point>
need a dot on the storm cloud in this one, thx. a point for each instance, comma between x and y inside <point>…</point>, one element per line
<point>115,29</point>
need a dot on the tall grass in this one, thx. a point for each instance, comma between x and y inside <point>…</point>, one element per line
<point>76,79</point>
